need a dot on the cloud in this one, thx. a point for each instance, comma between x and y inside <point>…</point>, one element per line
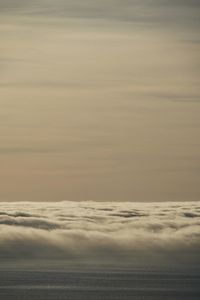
<point>155,11</point>
<point>101,232</point>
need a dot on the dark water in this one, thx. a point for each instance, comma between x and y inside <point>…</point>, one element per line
<point>98,285</point>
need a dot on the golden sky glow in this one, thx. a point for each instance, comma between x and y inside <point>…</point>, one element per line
<point>99,101</point>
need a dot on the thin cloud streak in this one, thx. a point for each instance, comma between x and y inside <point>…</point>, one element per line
<point>138,12</point>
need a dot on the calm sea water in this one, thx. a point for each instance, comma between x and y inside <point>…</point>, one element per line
<point>98,285</point>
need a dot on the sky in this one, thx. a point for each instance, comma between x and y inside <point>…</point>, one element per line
<point>99,100</point>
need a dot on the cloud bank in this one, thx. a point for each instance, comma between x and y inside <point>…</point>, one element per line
<point>101,232</point>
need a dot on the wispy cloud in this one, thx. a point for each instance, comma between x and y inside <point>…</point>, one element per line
<point>141,12</point>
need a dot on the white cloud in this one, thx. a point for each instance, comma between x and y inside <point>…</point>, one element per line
<point>101,232</point>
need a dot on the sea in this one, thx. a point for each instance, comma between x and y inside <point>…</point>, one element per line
<point>109,284</point>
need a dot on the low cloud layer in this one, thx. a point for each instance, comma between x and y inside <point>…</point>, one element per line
<point>101,232</point>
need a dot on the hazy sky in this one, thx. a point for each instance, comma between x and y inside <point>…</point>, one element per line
<point>99,99</point>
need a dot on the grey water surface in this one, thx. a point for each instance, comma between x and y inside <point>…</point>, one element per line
<point>99,285</point>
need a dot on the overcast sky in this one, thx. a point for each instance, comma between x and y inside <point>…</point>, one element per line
<point>99,99</point>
